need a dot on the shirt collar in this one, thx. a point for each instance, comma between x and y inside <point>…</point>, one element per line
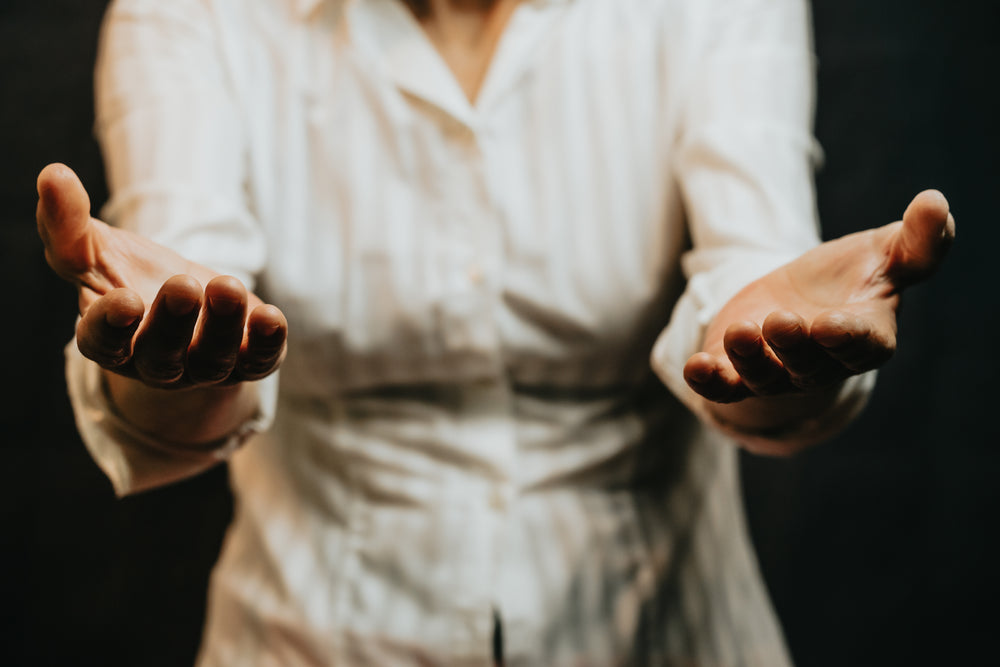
<point>304,8</point>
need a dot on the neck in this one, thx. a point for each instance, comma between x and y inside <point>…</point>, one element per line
<point>465,33</point>
<point>424,9</point>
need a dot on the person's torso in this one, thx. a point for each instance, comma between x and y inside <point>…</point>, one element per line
<point>467,419</point>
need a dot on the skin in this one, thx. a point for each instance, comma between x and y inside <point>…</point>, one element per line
<point>180,344</point>
<point>465,33</point>
<point>777,352</point>
<point>182,367</point>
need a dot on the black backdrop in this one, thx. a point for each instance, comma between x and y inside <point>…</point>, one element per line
<point>879,548</point>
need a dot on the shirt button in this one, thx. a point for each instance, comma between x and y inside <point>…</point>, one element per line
<point>475,274</point>
<point>497,500</point>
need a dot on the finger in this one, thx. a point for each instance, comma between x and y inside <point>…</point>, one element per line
<point>858,343</point>
<point>216,345</point>
<point>923,239</point>
<point>807,363</point>
<point>712,379</point>
<point>757,365</point>
<point>63,218</point>
<point>104,332</point>
<point>161,345</point>
<point>264,350</point>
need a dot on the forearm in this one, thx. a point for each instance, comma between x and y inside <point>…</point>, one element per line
<point>135,456</point>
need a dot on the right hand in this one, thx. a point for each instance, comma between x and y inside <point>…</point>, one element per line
<point>189,336</point>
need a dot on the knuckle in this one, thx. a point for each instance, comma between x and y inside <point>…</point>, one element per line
<point>108,352</point>
<point>162,370</point>
<point>257,366</point>
<point>256,369</point>
<point>106,358</point>
<point>160,378</point>
<point>210,369</point>
<point>210,376</point>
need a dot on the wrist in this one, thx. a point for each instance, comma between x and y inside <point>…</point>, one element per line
<point>197,418</point>
<point>770,425</point>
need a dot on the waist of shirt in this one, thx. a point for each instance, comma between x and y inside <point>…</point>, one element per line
<point>412,445</point>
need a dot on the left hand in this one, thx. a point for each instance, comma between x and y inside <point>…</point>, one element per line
<point>827,315</point>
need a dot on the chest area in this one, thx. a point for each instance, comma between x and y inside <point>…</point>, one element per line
<point>541,220</point>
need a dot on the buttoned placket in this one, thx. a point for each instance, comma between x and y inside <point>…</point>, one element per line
<point>469,229</point>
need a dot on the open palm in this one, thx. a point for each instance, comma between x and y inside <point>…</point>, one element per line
<point>829,314</point>
<point>189,336</point>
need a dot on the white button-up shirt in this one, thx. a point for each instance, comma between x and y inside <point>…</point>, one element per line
<point>468,423</point>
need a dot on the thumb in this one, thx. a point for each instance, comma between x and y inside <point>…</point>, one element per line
<point>64,224</point>
<point>922,241</point>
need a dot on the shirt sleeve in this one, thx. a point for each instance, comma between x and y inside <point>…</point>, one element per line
<point>135,461</point>
<point>744,163</point>
<point>173,145</point>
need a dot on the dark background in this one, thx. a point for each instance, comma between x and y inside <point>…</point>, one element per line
<point>879,548</point>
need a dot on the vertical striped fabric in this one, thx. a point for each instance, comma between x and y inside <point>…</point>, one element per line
<point>467,426</point>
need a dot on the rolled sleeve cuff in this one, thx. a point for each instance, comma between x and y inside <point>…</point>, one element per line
<point>135,461</point>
